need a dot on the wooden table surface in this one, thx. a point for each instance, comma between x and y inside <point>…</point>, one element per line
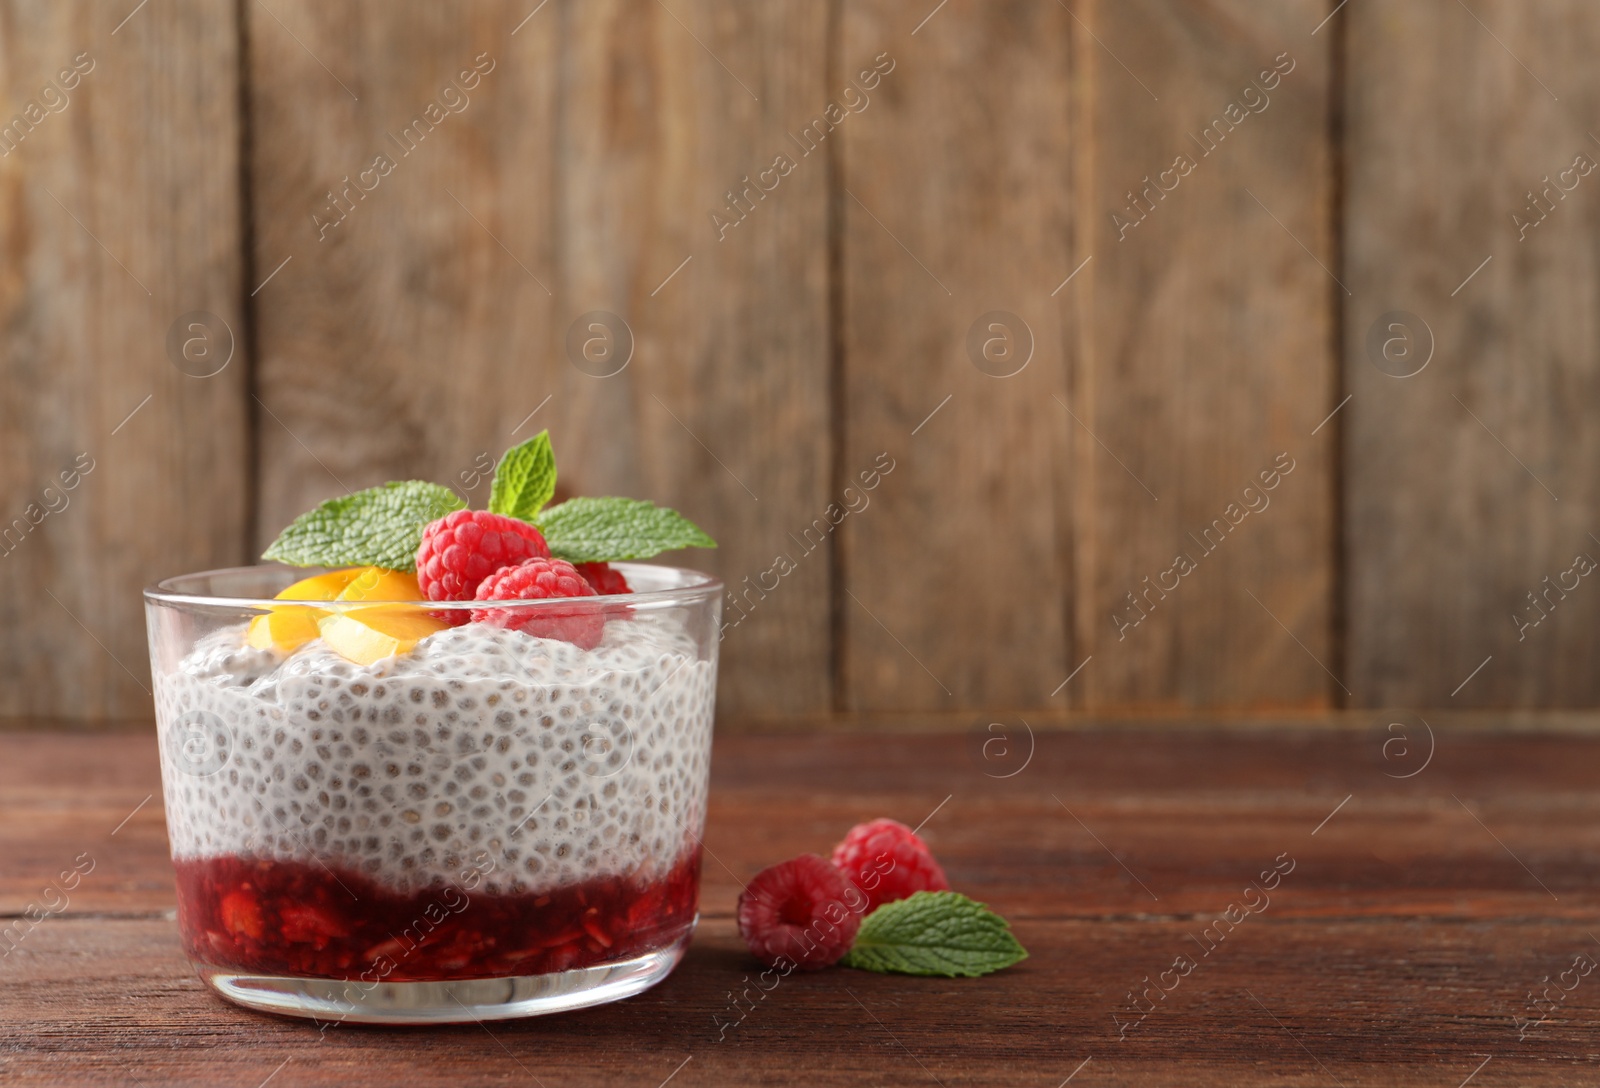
<point>1428,925</point>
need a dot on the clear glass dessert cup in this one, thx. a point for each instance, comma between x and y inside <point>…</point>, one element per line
<point>502,821</point>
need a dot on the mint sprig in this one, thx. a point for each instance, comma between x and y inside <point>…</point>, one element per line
<point>382,526</point>
<point>934,933</point>
<point>378,527</point>
<point>525,479</point>
<point>602,530</point>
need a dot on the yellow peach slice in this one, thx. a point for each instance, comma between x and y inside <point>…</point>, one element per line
<point>379,584</point>
<point>321,587</point>
<point>364,635</point>
<point>286,629</point>
<point>368,635</point>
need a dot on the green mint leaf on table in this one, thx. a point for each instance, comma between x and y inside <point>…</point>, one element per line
<point>378,527</point>
<point>601,530</point>
<point>934,933</point>
<point>525,479</point>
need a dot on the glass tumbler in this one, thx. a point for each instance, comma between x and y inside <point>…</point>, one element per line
<point>501,821</point>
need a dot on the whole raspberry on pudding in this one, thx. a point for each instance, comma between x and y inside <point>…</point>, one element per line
<point>796,911</point>
<point>537,579</point>
<point>605,578</point>
<point>461,549</point>
<point>886,860</point>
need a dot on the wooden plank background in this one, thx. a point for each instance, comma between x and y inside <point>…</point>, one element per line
<point>1472,482</point>
<point>122,214</point>
<point>955,205</point>
<point>1008,172</point>
<point>1208,354</point>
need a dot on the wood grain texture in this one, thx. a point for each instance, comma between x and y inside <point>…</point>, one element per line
<point>1397,950</point>
<point>955,182</point>
<point>1471,483</point>
<point>1206,328</point>
<point>723,411</point>
<point>113,227</point>
<point>795,328</point>
<point>578,180</point>
<point>1290,1003</point>
<point>410,331</point>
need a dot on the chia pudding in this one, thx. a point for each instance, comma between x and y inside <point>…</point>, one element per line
<point>491,803</point>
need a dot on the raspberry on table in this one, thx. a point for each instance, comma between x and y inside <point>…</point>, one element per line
<point>461,549</point>
<point>605,578</point>
<point>796,910</point>
<point>886,860</point>
<point>582,624</point>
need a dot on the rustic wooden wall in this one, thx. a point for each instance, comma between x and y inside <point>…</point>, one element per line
<point>1181,221</point>
<point>1473,481</point>
<point>1207,354</point>
<point>119,215</point>
<point>956,196</point>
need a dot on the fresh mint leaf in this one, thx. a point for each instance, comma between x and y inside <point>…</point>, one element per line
<point>601,530</point>
<point>525,479</point>
<point>378,527</point>
<point>934,933</point>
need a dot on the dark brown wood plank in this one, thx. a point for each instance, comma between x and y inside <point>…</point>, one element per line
<point>956,184</point>
<point>1471,483</point>
<point>120,189</point>
<point>1279,1002</point>
<point>1206,328</point>
<point>1400,948</point>
<point>109,825</point>
<point>420,336</point>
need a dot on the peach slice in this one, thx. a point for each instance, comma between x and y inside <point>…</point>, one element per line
<point>322,587</point>
<point>363,635</point>
<point>287,629</point>
<point>368,635</point>
<point>379,584</point>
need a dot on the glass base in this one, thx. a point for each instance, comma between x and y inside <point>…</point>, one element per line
<point>463,1001</point>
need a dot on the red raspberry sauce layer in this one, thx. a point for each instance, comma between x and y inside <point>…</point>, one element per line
<point>305,921</point>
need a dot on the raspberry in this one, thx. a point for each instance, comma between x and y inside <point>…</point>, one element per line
<point>461,549</point>
<point>605,578</point>
<point>306,923</point>
<point>538,579</point>
<point>797,911</point>
<point>241,914</point>
<point>887,862</point>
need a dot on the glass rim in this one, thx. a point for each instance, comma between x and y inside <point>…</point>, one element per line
<point>697,585</point>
